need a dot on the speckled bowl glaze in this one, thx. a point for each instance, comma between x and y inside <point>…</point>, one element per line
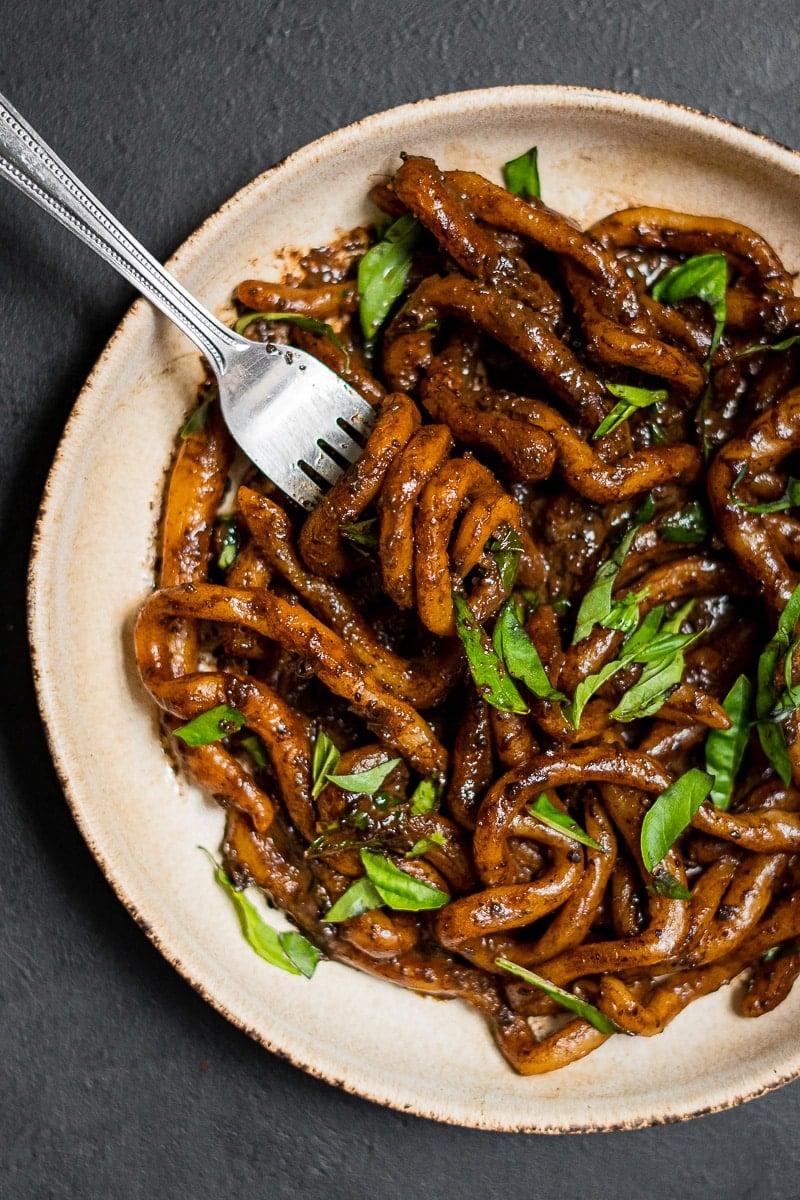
<point>92,567</point>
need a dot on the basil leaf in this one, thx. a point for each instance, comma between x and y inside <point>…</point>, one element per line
<point>636,644</point>
<point>664,884</point>
<point>324,759</point>
<point>785,344</point>
<point>520,655</point>
<point>211,726</point>
<point>425,797</point>
<point>630,399</point>
<point>671,813</point>
<point>312,324</point>
<point>229,544</point>
<point>687,526</point>
<point>596,604</point>
<point>398,889</point>
<point>362,533</point>
<point>789,499</point>
<point>488,671</point>
<point>781,951</point>
<point>425,843</point>
<point>546,811</point>
<point>359,898</point>
<point>650,691</point>
<point>506,550</point>
<point>198,419</point>
<point>383,271</point>
<point>725,747</point>
<point>581,1008</point>
<point>770,733</point>
<point>364,782</point>
<point>704,276</point>
<point>268,944</point>
<point>521,175</point>
<point>255,748</point>
<point>624,613</point>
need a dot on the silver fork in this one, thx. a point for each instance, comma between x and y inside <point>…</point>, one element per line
<point>291,415</point>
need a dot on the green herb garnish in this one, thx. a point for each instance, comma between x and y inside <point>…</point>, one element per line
<point>229,543</point>
<point>198,419</point>
<point>425,797</point>
<point>425,844</point>
<point>785,344</point>
<point>488,670</point>
<point>581,1008</point>
<point>789,499</point>
<point>312,324</point>
<point>770,733</point>
<point>521,175</point>
<point>211,726</point>
<point>386,884</point>
<point>506,549</point>
<point>362,533</point>
<point>383,271</point>
<point>324,759</point>
<point>364,782</point>
<point>688,526</point>
<point>629,400</point>
<point>664,884</point>
<point>671,813</point>
<point>520,656</point>
<point>702,277</point>
<point>543,808</point>
<point>596,605</point>
<point>725,747</point>
<point>289,950</point>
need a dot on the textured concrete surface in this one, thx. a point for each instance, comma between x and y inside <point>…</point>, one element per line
<point>116,1080</point>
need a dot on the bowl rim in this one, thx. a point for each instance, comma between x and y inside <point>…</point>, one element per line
<point>551,96</point>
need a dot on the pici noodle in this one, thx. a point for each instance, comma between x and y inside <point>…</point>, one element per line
<point>511,716</point>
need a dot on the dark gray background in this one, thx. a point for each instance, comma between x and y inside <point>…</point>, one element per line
<point>116,1080</point>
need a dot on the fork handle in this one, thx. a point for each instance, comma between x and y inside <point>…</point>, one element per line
<point>27,161</point>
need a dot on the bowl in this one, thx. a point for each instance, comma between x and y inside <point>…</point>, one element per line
<point>92,567</point>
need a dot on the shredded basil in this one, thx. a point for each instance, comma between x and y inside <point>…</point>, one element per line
<point>596,605</point>
<point>198,419</point>
<point>506,549</point>
<point>359,898</point>
<point>383,271</point>
<point>789,499</point>
<point>581,1008</point>
<point>362,533</point>
<point>488,670</point>
<point>312,324</point>
<point>425,843</point>
<point>520,656</point>
<point>770,733</point>
<point>688,526</point>
<point>255,748</point>
<point>664,884</point>
<point>211,726</point>
<point>785,344</point>
<point>671,813</point>
<point>704,277</point>
<point>425,797</point>
<point>725,747</point>
<point>521,175</point>
<point>290,951</point>
<point>543,808</point>
<point>629,400</point>
<point>364,782</point>
<point>325,759</point>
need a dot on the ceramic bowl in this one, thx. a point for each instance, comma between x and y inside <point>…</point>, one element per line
<point>92,567</point>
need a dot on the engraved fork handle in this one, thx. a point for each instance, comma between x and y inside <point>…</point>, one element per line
<point>27,162</point>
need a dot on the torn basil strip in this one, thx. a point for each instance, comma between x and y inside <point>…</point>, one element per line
<point>568,1000</point>
<point>324,759</point>
<point>383,271</point>
<point>363,534</point>
<point>630,399</point>
<point>506,548</point>
<point>770,733</point>
<point>398,889</point>
<point>543,808</point>
<point>688,526</point>
<point>364,782</point>
<point>596,605</point>
<point>520,655</point>
<point>425,797</point>
<point>521,175</point>
<point>489,673</point>
<point>671,813</point>
<point>789,499</point>
<point>725,747</point>
<point>311,324</point>
<point>359,898</point>
<point>211,726</point>
<point>702,277</point>
<point>664,884</point>
<point>289,950</point>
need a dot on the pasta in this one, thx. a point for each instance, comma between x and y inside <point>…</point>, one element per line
<point>511,716</point>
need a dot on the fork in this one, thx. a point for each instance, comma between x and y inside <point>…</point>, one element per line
<point>297,420</point>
